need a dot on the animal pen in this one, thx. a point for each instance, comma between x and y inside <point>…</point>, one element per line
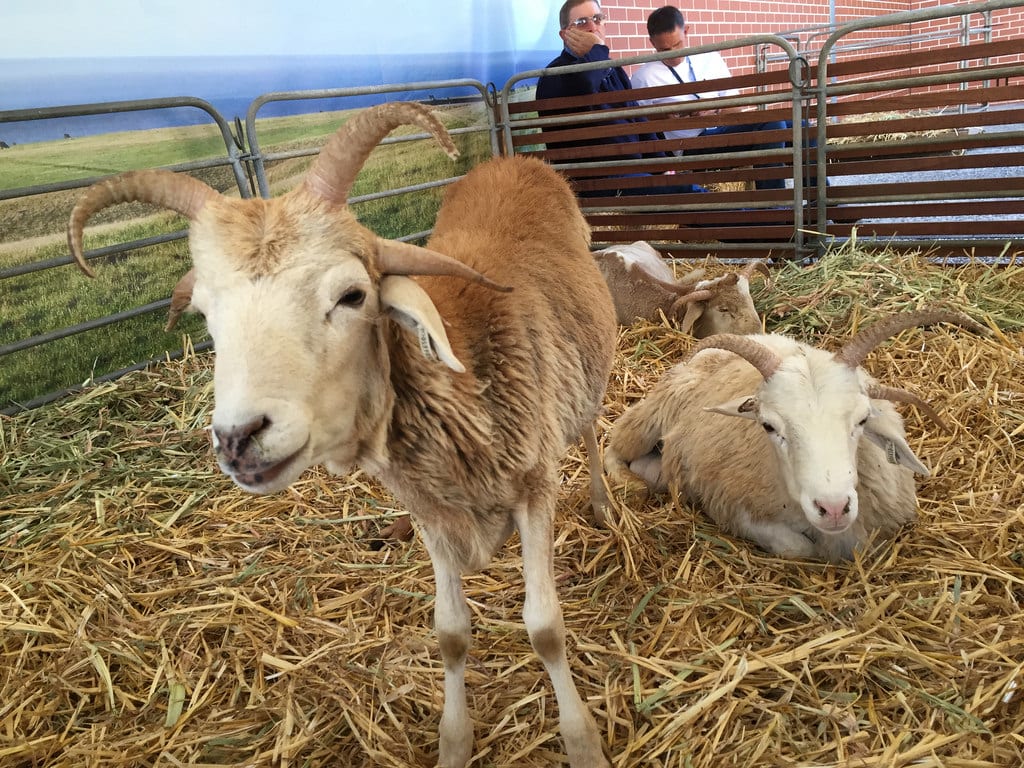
<point>151,613</point>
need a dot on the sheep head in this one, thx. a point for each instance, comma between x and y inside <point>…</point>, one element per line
<point>815,406</point>
<point>295,291</point>
<point>720,305</point>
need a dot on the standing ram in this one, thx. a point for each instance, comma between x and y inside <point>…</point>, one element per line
<point>816,462</point>
<point>460,397</point>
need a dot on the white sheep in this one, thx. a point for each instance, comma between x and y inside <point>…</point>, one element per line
<point>643,287</point>
<point>459,397</point>
<point>817,461</point>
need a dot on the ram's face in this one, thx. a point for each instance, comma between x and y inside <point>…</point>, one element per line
<point>292,291</point>
<point>293,313</point>
<point>731,311</point>
<point>815,423</point>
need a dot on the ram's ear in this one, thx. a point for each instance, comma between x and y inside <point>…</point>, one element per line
<point>410,306</point>
<point>887,436</point>
<point>744,407</point>
<point>693,312</point>
<point>181,299</point>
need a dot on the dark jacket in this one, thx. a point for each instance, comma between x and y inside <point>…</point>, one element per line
<point>608,80</point>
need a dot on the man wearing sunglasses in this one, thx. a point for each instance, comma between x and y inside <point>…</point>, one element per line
<point>581,25</point>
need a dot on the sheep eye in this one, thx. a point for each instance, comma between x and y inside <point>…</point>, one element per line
<point>768,428</point>
<point>353,297</point>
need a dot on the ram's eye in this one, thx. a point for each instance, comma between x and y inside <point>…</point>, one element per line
<point>768,428</point>
<point>354,297</point>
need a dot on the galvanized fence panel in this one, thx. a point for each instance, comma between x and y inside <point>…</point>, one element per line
<point>247,158</point>
<point>947,188</point>
<point>247,161</point>
<point>518,125</point>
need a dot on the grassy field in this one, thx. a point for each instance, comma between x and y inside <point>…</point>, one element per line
<point>32,230</point>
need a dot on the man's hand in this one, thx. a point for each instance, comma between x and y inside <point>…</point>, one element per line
<point>579,41</point>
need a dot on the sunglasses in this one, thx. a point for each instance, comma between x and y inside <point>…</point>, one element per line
<point>581,22</point>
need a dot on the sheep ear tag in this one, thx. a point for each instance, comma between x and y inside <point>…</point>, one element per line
<point>880,432</point>
<point>410,306</point>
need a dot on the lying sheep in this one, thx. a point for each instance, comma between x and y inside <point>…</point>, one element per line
<point>460,397</point>
<point>817,461</point>
<point>722,304</point>
<point>641,283</point>
<point>642,286</point>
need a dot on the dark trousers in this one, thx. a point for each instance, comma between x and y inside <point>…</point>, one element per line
<point>732,129</point>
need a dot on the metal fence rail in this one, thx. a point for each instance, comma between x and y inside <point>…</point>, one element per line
<point>821,92</point>
<point>809,41</point>
<point>969,185</point>
<point>686,220</point>
<point>248,163</point>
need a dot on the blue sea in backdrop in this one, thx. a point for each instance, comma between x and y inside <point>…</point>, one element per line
<point>229,83</point>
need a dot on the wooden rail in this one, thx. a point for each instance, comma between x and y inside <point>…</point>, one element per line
<point>921,150</point>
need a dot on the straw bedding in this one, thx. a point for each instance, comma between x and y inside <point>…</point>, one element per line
<point>153,614</point>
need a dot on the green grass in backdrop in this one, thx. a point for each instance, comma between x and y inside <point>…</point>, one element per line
<point>32,230</point>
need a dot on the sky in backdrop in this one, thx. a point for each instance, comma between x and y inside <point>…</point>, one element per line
<point>99,28</point>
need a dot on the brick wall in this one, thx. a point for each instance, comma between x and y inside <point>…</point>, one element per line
<point>714,21</point>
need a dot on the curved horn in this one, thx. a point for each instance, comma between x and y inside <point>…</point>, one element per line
<point>694,296</point>
<point>725,280</point>
<point>336,167</point>
<point>883,392</point>
<point>176,191</point>
<point>637,272</point>
<point>398,258</point>
<point>757,265</point>
<point>758,355</point>
<point>857,348</point>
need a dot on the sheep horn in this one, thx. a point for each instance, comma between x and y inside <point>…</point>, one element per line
<point>176,191</point>
<point>694,296</point>
<point>332,174</point>
<point>756,266</point>
<point>883,392</point>
<point>758,355</point>
<point>637,272</point>
<point>398,258</point>
<point>858,347</point>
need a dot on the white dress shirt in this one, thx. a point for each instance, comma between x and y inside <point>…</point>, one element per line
<point>701,66</point>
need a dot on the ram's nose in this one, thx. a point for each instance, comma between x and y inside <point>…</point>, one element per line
<point>232,442</point>
<point>833,514</point>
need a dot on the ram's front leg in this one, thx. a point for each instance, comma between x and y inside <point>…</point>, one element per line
<point>454,633</point>
<point>542,615</point>
<point>779,538</point>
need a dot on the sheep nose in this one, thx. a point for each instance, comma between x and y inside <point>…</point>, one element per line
<point>232,442</point>
<point>833,513</point>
